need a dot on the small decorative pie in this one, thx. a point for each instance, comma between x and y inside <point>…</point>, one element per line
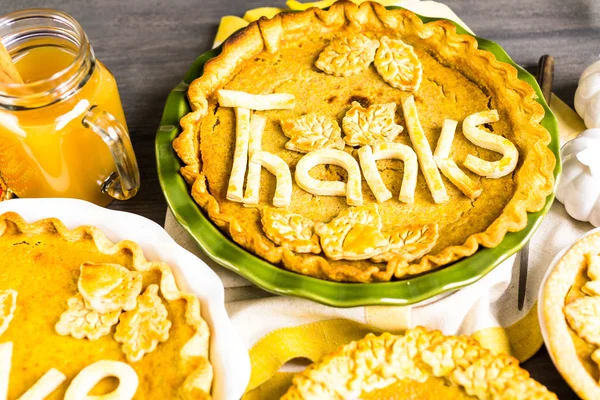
<point>76,308</point>
<point>367,122</point>
<point>417,365</point>
<point>571,307</point>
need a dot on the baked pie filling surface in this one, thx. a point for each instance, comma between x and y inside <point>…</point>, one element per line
<point>94,317</point>
<point>571,307</point>
<point>372,89</point>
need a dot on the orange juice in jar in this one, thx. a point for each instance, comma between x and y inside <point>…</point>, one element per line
<point>62,132</point>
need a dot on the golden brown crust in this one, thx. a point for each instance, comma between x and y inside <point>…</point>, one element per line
<point>560,342</point>
<point>5,192</point>
<point>534,178</point>
<point>195,351</point>
<point>376,362</point>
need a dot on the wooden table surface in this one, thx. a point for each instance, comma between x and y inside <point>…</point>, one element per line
<point>149,44</point>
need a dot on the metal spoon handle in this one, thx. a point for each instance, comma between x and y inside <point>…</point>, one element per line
<point>545,76</point>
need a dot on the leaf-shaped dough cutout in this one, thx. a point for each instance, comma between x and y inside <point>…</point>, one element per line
<point>141,329</point>
<point>410,242</point>
<point>355,234</point>
<point>109,287</point>
<point>398,64</point>
<point>290,230</point>
<point>583,316</point>
<point>8,305</point>
<point>82,321</point>
<point>370,126</point>
<point>312,132</point>
<point>347,56</point>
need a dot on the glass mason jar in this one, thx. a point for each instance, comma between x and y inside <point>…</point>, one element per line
<point>63,131</point>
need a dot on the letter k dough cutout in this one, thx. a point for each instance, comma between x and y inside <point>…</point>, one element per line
<point>469,187</point>
<point>421,146</point>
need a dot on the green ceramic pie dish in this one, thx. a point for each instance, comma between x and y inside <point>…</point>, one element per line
<point>280,281</point>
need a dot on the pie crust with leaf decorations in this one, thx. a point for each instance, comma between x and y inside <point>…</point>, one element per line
<point>571,309</point>
<point>76,308</point>
<point>420,365</point>
<point>351,103</point>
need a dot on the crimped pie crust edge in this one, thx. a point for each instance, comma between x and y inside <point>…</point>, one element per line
<point>535,179</point>
<point>196,349</point>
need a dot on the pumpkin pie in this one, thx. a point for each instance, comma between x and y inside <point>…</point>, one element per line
<point>360,144</point>
<point>571,307</point>
<point>76,308</point>
<point>417,365</point>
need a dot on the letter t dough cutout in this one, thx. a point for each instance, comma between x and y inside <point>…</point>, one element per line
<point>240,155</point>
<point>259,102</point>
<point>257,126</point>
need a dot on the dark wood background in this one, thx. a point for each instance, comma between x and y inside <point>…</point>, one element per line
<point>149,44</point>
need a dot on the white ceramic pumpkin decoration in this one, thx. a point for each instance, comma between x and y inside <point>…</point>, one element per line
<point>587,96</point>
<point>579,185</point>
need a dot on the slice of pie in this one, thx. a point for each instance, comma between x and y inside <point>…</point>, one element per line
<point>330,123</point>
<point>571,307</point>
<point>417,365</point>
<point>81,315</point>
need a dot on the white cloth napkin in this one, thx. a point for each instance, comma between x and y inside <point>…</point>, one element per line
<point>489,303</point>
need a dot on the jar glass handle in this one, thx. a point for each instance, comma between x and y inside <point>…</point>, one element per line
<point>124,183</point>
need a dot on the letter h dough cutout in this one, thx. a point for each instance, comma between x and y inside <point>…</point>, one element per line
<point>497,143</point>
<point>274,164</point>
<point>424,155</point>
<point>244,102</point>
<point>368,156</point>
<point>469,187</point>
<point>352,190</point>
